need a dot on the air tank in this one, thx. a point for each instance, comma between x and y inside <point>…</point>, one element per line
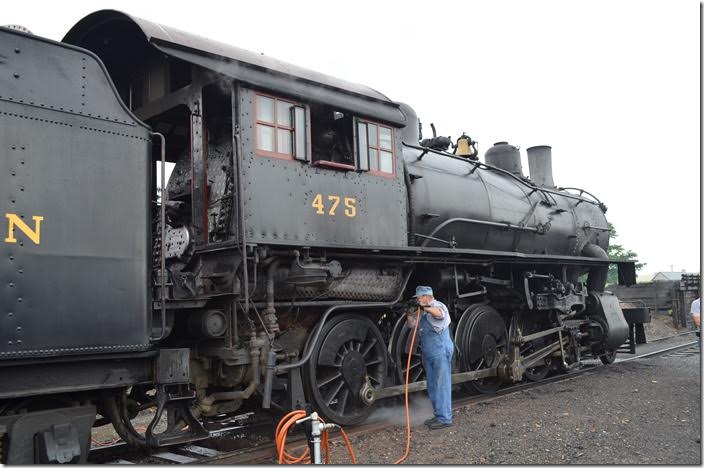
<point>506,157</point>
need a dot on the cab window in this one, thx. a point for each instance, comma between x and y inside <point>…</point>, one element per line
<point>376,147</point>
<point>280,127</point>
<point>332,137</point>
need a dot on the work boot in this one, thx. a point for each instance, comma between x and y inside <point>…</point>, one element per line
<point>430,421</point>
<point>439,424</point>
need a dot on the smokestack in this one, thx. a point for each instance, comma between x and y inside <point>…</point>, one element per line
<point>540,165</point>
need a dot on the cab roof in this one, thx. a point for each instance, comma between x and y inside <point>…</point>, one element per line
<point>240,64</point>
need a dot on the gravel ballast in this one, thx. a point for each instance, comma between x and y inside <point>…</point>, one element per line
<point>637,412</point>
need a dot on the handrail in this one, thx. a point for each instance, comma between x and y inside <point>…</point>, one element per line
<point>540,229</point>
<point>237,155</point>
<point>162,226</point>
<point>581,192</point>
<point>528,184</point>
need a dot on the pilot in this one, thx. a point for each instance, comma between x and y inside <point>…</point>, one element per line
<point>437,348</point>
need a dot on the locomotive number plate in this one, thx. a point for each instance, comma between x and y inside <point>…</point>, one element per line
<point>330,205</point>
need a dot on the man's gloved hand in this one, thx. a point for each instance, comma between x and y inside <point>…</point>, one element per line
<point>413,310</point>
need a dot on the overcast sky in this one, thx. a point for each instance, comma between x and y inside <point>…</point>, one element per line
<point>613,86</point>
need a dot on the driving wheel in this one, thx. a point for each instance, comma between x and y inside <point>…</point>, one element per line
<point>480,338</point>
<point>349,353</point>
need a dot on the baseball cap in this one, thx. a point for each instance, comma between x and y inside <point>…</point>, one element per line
<point>424,290</point>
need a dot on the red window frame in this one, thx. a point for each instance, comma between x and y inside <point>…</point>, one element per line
<point>275,125</point>
<point>334,165</point>
<point>378,148</point>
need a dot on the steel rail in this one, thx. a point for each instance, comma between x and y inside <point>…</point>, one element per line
<point>659,351</point>
<point>672,336</point>
<point>266,452</point>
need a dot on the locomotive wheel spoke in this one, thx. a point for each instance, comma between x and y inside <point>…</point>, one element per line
<point>373,379</point>
<point>369,346</point>
<point>349,352</point>
<point>334,393</point>
<point>332,378</point>
<point>479,364</point>
<point>342,401</point>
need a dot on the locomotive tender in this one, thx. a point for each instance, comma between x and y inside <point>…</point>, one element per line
<point>273,266</point>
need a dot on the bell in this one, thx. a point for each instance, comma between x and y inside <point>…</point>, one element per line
<point>465,147</point>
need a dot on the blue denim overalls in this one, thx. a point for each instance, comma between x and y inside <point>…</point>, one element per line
<point>437,361</point>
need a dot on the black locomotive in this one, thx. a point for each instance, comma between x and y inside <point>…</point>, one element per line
<point>274,265</point>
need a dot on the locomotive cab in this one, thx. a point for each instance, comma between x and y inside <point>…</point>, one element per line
<point>199,94</point>
<point>261,153</point>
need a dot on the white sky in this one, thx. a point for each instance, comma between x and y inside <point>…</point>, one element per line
<point>612,86</point>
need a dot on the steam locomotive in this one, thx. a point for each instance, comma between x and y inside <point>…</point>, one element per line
<point>273,267</point>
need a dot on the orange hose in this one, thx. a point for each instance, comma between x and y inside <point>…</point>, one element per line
<point>353,458</point>
<point>408,373</point>
<point>286,458</point>
<point>281,432</point>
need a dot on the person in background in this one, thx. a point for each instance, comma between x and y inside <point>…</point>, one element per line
<point>696,318</point>
<point>437,348</point>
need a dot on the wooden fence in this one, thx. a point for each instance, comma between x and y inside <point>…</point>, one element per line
<point>661,297</point>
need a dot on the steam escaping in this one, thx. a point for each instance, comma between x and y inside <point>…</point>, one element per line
<point>419,408</point>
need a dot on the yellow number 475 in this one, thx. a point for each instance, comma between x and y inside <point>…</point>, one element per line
<point>349,202</point>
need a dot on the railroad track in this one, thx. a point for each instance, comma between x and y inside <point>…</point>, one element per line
<point>252,442</point>
<point>690,332</point>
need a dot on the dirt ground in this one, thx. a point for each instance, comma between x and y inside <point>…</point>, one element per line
<point>638,412</point>
<point>661,326</point>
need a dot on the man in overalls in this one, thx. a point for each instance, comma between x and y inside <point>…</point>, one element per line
<point>437,351</point>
